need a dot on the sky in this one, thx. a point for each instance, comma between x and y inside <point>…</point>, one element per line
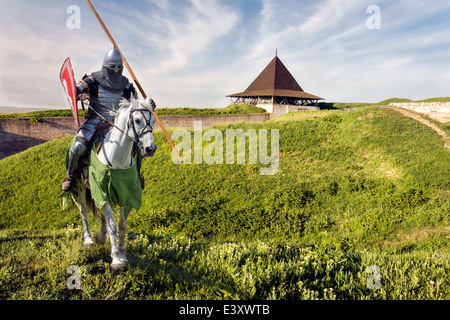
<point>193,53</point>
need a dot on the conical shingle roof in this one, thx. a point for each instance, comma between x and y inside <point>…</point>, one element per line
<point>276,81</point>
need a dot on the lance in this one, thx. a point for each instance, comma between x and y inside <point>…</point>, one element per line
<point>135,79</point>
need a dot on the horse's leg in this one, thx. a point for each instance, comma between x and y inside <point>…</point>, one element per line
<point>84,211</point>
<point>116,264</point>
<point>100,238</point>
<point>122,234</point>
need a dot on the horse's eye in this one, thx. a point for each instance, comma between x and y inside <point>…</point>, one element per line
<point>137,121</point>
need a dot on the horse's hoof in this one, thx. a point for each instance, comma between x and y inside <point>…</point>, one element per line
<point>117,266</point>
<point>124,260</point>
<point>122,257</point>
<point>88,243</point>
<point>99,239</point>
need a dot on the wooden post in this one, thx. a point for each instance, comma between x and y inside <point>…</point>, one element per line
<point>135,79</point>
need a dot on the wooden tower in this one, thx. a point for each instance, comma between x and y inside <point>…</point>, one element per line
<point>277,91</point>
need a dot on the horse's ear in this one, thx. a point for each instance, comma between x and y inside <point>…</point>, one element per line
<point>150,103</point>
<point>133,103</point>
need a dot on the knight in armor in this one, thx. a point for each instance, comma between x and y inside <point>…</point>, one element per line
<point>104,89</point>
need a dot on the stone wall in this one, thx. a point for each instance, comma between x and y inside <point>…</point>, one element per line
<point>187,122</point>
<point>281,109</point>
<point>17,135</point>
<point>439,111</point>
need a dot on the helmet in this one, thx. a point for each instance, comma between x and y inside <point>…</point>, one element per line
<point>113,61</point>
<point>110,76</point>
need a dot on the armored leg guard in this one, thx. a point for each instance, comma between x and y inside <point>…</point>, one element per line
<point>79,149</point>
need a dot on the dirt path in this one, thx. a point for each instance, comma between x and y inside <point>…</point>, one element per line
<point>414,236</point>
<point>415,116</point>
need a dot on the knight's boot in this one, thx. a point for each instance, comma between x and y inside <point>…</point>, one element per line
<point>68,183</point>
<point>78,151</point>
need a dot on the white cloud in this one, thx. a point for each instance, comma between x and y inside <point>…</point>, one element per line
<point>190,35</point>
<point>194,53</point>
<point>177,70</point>
<point>35,43</point>
<point>327,17</point>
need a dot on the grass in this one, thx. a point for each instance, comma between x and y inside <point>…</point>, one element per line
<point>231,109</point>
<point>41,114</point>
<point>171,267</point>
<point>355,189</point>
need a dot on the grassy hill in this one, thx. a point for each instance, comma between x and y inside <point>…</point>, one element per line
<point>231,109</point>
<point>355,189</point>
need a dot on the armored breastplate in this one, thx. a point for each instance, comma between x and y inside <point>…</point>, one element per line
<point>108,99</point>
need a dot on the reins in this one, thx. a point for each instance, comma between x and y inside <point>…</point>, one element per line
<point>136,138</point>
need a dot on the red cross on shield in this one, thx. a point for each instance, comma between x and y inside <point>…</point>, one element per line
<point>68,81</point>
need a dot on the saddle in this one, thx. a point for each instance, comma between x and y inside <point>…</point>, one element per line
<point>83,163</point>
<point>83,168</point>
<point>103,127</point>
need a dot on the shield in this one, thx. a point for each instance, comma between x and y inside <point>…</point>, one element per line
<point>68,81</point>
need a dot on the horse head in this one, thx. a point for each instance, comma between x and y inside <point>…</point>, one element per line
<point>140,126</point>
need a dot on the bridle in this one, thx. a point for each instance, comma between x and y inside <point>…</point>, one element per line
<point>148,125</point>
<point>136,138</point>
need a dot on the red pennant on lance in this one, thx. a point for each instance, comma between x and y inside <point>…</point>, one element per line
<point>68,81</point>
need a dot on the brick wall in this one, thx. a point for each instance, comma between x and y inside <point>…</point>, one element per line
<point>17,135</point>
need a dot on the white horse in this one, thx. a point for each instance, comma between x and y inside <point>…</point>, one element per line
<point>133,125</point>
